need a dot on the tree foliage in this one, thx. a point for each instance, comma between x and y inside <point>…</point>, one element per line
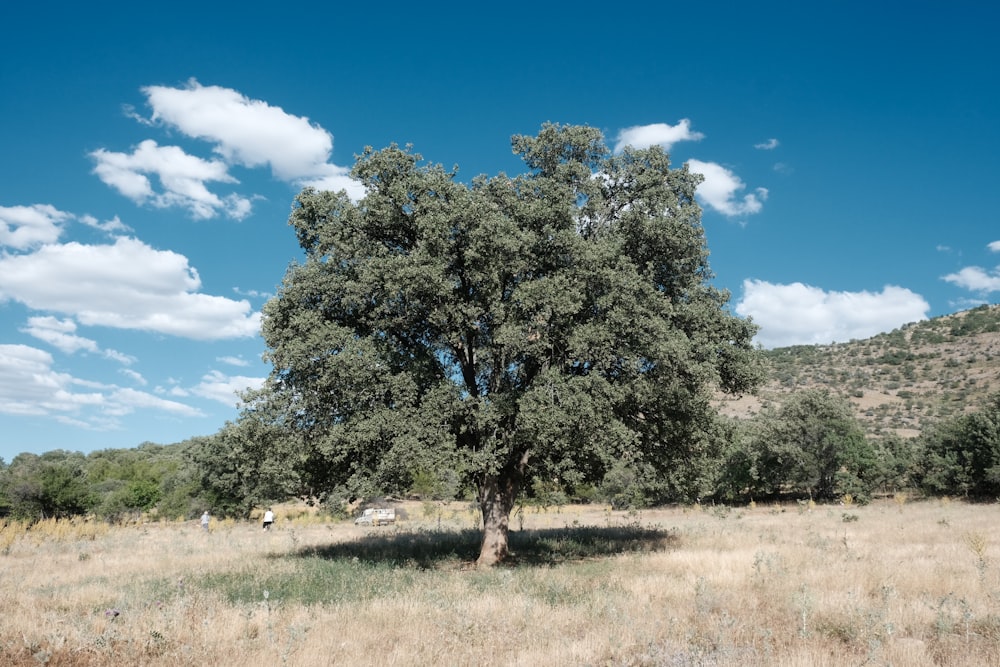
<point>52,485</point>
<point>548,325</point>
<point>812,445</point>
<point>113,484</point>
<point>962,454</point>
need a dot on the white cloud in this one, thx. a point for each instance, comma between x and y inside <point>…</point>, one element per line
<point>720,189</point>
<point>173,389</point>
<point>134,376</point>
<point>233,361</point>
<point>782,168</point>
<point>657,134</point>
<point>182,177</point>
<point>124,359</point>
<point>994,246</point>
<point>126,285</point>
<point>252,292</point>
<point>29,386</point>
<point>112,226</point>
<point>60,334</point>
<point>976,279</point>
<point>799,314</point>
<point>224,388</point>
<point>23,227</point>
<point>768,145</point>
<point>125,401</point>
<point>244,131</point>
<point>252,133</point>
<point>334,178</point>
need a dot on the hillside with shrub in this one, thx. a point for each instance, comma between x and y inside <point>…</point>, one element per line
<point>898,382</point>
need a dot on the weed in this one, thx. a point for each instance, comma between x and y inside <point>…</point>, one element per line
<point>976,542</point>
<point>900,498</point>
<point>721,511</point>
<point>804,603</point>
<point>766,566</point>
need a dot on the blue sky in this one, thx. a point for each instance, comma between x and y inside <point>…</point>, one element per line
<point>149,156</point>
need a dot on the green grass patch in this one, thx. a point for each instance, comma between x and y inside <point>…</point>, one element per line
<point>387,565</point>
<point>311,581</point>
<point>437,548</point>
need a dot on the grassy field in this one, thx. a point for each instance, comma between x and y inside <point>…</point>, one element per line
<point>893,583</point>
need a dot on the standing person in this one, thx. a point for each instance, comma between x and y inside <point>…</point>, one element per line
<point>204,521</point>
<point>268,519</point>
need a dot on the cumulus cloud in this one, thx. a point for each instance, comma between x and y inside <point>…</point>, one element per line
<point>23,227</point>
<point>798,314</point>
<point>233,361</point>
<point>720,190</point>
<point>60,334</point>
<point>251,133</point>
<point>124,401</point>
<point>976,279</point>
<point>657,134</point>
<point>125,285</point>
<point>182,178</point>
<point>244,131</point>
<point>225,388</point>
<point>994,246</point>
<point>30,386</point>
<point>768,145</point>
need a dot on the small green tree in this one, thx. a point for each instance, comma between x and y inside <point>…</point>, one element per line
<point>547,325</point>
<point>898,459</point>
<point>51,485</point>
<point>962,454</point>
<point>813,444</point>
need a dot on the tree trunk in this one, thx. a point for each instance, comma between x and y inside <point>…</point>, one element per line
<point>496,500</point>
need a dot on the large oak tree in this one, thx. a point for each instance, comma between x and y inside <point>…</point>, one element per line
<point>550,324</point>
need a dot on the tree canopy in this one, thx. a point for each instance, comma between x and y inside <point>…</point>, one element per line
<point>962,454</point>
<point>549,325</point>
<point>810,445</point>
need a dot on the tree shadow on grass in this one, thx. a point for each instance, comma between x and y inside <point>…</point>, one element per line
<point>542,547</point>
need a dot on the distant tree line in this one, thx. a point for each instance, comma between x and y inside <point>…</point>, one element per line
<point>810,446</point>
<point>152,481</point>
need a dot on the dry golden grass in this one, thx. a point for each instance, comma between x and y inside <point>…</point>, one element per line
<point>895,583</point>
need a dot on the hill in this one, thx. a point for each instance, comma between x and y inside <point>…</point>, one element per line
<point>899,381</point>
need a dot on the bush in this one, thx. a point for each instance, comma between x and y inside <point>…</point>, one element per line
<point>962,455</point>
<point>623,487</point>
